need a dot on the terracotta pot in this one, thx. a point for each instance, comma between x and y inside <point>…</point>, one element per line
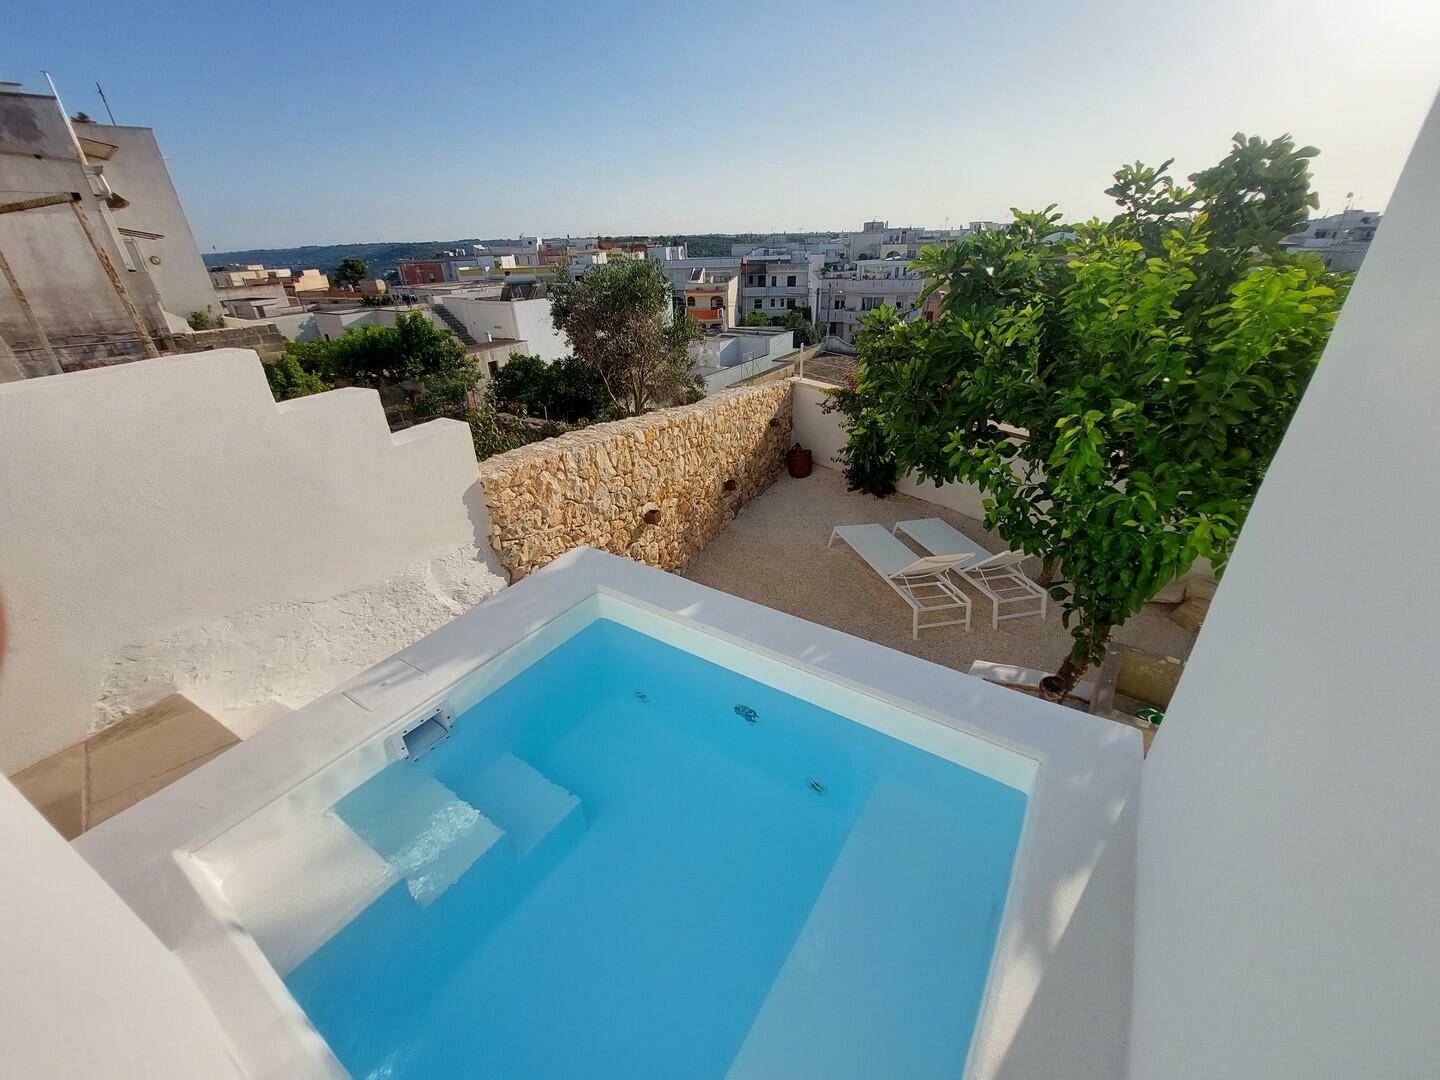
<point>799,461</point>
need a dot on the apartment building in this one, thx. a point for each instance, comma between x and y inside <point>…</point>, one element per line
<point>1341,240</point>
<point>832,246</point>
<point>311,280</point>
<point>878,240</point>
<point>680,271</point>
<point>845,296</point>
<point>255,291</point>
<point>712,299</point>
<point>475,261</point>
<point>773,282</point>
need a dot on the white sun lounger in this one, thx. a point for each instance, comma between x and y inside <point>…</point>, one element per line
<point>921,582</point>
<point>997,576</point>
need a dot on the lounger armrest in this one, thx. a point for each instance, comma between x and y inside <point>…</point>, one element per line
<point>931,564</point>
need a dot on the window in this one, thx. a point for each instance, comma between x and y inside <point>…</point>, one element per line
<point>870,303</point>
<point>716,303</point>
<point>790,304</point>
<point>494,368</point>
<point>790,281</point>
<point>689,301</point>
<point>757,305</point>
<point>773,279</point>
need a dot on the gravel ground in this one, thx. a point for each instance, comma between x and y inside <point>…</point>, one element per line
<point>774,553</point>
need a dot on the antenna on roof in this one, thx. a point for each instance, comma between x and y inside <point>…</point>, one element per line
<point>105,102</point>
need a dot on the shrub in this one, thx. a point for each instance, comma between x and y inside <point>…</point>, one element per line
<point>205,320</point>
<point>568,390</point>
<point>289,379</point>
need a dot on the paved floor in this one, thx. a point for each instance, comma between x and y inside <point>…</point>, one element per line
<point>774,553</point>
<point>87,783</point>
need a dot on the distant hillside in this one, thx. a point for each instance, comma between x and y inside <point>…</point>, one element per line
<point>381,258</point>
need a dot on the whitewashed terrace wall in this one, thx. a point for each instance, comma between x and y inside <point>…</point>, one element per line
<point>824,434</point>
<point>690,468</point>
<point>165,525</point>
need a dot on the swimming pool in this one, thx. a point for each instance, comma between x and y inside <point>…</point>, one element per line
<point>629,861</point>
<point>652,831</point>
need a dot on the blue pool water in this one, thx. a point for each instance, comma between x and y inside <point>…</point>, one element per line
<point>610,871</point>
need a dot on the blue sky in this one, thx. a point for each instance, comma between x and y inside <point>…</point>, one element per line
<point>308,123</point>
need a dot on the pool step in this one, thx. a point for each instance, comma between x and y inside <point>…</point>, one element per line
<point>303,887</point>
<point>522,801</point>
<point>886,939</point>
<point>428,834</point>
<point>308,883</point>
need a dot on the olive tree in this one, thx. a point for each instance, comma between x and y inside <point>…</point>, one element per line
<point>620,319</point>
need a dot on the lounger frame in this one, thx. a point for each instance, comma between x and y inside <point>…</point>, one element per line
<point>997,577</point>
<point>926,590</point>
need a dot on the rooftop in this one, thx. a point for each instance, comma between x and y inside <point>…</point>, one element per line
<point>830,368</point>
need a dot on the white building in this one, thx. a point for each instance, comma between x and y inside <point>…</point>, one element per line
<point>832,247</point>
<point>774,282</point>
<point>715,268</point>
<point>845,296</point>
<point>712,299</point>
<point>740,353</point>
<point>96,240</point>
<point>525,325</point>
<point>259,300</point>
<point>878,240</point>
<point>1341,240</point>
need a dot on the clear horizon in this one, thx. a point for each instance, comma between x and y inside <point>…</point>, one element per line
<point>369,125</point>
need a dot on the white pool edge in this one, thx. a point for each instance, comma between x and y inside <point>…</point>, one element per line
<point>1083,773</point>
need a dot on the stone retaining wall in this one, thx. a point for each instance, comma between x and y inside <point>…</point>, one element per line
<point>654,488</point>
<point>264,338</point>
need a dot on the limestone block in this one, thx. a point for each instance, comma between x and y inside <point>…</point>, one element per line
<point>1191,613</point>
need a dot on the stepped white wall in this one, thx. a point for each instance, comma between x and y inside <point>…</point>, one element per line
<point>823,434</point>
<point>167,525</point>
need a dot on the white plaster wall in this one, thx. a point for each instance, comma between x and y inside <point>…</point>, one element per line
<point>88,990</point>
<point>300,327</point>
<point>1290,834</point>
<point>532,317</point>
<point>484,318</point>
<point>528,320</point>
<point>138,171</point>
<point>167,524</point>
<point>824,435</point>
<point>335,323</point>
<point>251,666</point>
